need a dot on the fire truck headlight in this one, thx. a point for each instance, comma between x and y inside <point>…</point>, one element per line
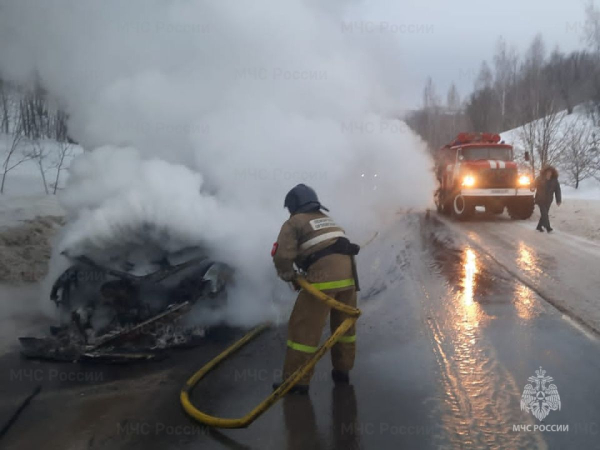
<point>524,180</point>
<point>468,181</point>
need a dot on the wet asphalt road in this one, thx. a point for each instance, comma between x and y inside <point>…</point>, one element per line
<point>446,344</point>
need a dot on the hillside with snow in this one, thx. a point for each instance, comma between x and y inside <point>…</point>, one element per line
<point>571,140</point>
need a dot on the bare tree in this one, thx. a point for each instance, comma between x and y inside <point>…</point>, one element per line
<point>483,107</point>
<point>534,98</point>
<point>39,153</point>
<point>536,54</point>
<point>453,112</point>
<point>541,134</point>
<point>591,31</point>
<point>13,157</point>
<point>591,36</point>
<point>505,66</point>
<point>4,108</point>
<point>579,158</point>
<point>453,99</point>
<point>528,136</point>
<point>571,77</point>
<point>531,89</point>
<point>65,147</point>
<point>35,112</point>
<point>544,138</point>
<point>484,78</point>
<point>430,97</point>
<point>65,151</point>
<point>431,109</point>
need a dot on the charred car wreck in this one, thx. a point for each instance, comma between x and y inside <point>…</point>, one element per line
<point>131,311</point>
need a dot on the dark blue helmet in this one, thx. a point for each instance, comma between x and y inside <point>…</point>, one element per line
<point>302,199</point>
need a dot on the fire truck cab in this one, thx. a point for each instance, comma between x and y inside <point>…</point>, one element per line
<point>477,169</point>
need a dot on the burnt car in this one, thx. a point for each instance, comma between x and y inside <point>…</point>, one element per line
<point>124,310</point>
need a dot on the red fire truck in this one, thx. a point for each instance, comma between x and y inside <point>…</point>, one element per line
<point>477,169</point>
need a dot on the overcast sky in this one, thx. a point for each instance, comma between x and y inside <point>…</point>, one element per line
<point>409,40</point>
<point>449,39</point>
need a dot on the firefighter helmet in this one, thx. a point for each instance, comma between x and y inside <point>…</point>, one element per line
<point>302,198</point>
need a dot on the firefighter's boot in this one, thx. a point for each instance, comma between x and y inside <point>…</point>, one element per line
<point>340,376</point>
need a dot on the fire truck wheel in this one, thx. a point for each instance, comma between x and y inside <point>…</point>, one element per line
<point>521,209</point>
<point>462,208</point>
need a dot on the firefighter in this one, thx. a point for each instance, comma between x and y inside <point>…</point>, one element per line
<point>319,248</point>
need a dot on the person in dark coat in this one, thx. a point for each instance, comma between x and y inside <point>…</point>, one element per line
<point>547,187</point>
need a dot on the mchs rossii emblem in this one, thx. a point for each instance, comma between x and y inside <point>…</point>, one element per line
<point>540,398</point>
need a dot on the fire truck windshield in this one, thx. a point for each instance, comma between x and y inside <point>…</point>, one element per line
<point>496,153</point>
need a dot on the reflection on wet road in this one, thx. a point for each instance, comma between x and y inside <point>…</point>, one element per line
<point>529,261</point>
<point>501,326</point>
<point>469,278</point>
<point>525,302</point>
<point>480,395</point>
<point>302,427</point>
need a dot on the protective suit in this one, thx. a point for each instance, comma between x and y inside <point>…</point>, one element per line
<point>316,244</point>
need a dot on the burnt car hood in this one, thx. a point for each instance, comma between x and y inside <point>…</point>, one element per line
<point>125,310</point>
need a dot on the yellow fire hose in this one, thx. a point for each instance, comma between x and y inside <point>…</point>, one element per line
<point>287,384</point>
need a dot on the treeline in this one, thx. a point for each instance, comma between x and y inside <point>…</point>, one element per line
<point>538,89</point>
<point>32,128</point>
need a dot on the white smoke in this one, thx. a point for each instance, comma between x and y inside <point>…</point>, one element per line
<point>207,114</point>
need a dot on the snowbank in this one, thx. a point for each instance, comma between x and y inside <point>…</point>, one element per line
<point>577,216</point>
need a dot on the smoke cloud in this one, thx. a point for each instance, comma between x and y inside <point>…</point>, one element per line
<point>201,115</point>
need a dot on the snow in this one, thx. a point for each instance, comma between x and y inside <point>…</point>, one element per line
<point>588,190</point>
<point>25,179</point>
<point>513,136</point>
<point>578,115</point>
<point>577,216</point>
<point>14,209</point>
